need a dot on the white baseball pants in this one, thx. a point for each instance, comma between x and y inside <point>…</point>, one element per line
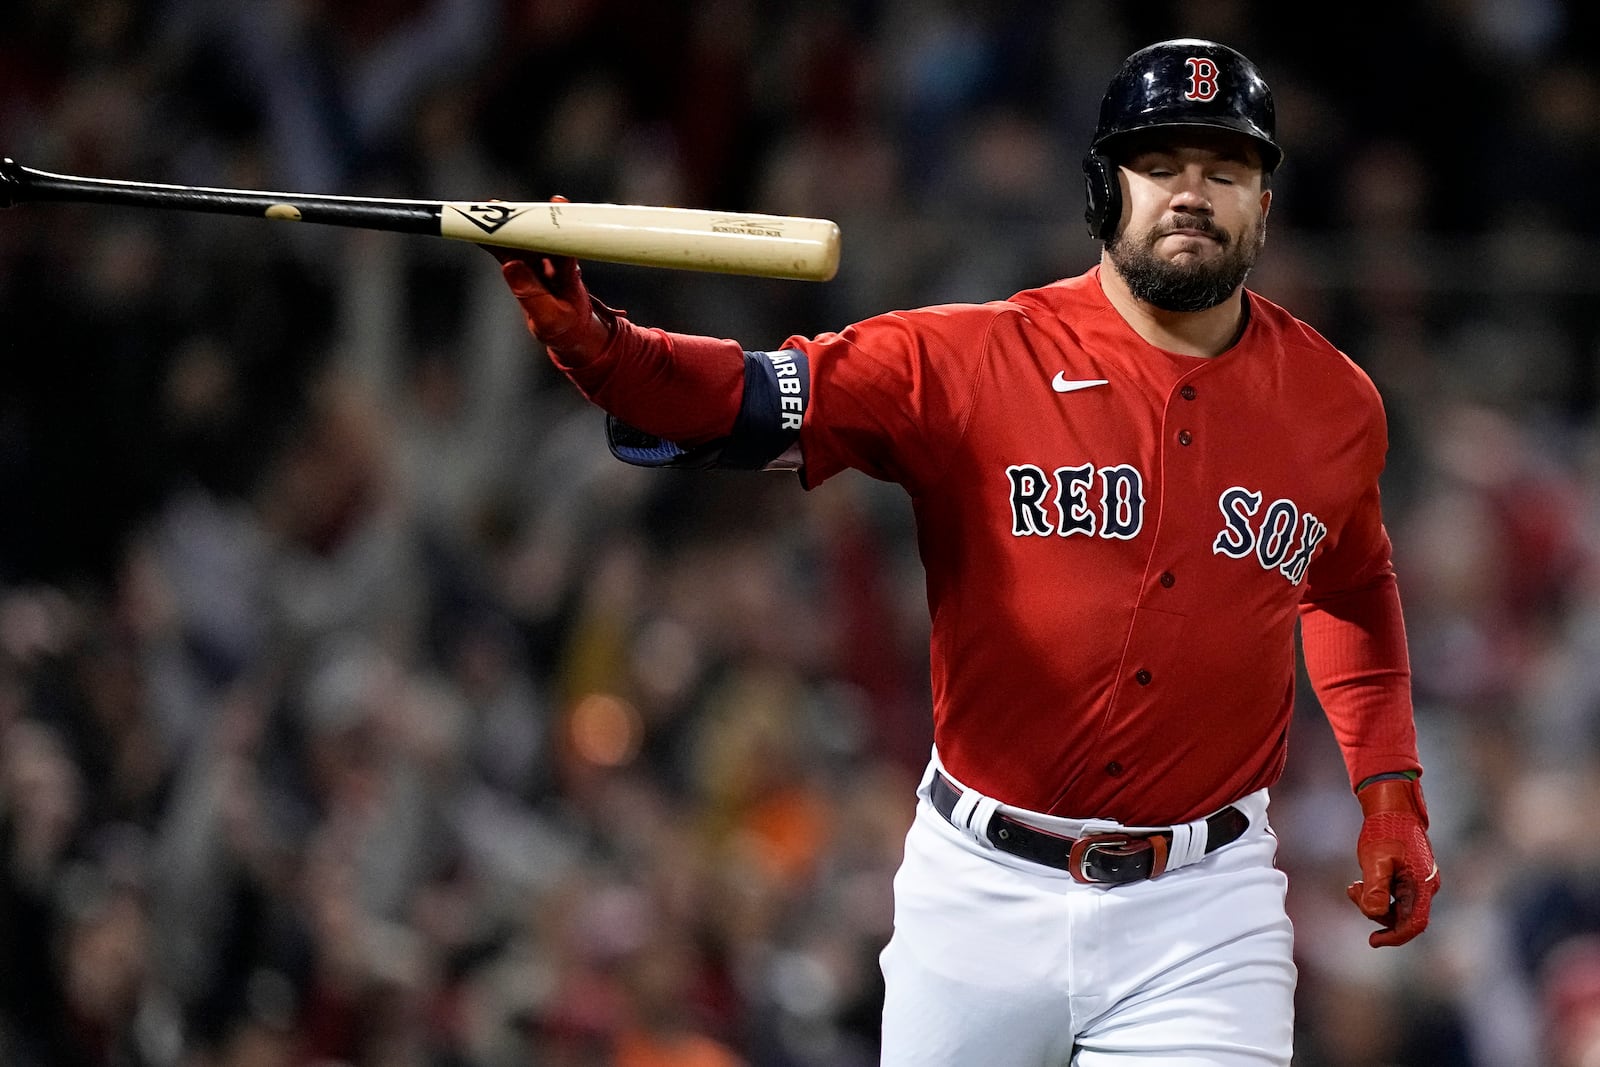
<point>999,962</point>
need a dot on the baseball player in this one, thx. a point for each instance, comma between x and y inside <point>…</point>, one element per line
<point>1129,486</point>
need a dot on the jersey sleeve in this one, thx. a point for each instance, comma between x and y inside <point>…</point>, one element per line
<point>890,395</point>
<point>681,387</point>
<point>1354,643</point>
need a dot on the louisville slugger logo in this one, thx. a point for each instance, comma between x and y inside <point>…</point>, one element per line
<point>489,217</point>
<point>1202,79</point>
<point>748,227</point>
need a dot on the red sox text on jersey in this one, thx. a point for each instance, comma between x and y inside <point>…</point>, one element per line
<point>1282,538</point>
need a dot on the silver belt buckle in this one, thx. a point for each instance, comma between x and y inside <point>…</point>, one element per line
<point>1110,853</point>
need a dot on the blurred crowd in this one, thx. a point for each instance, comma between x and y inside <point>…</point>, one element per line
<point>358,709</point>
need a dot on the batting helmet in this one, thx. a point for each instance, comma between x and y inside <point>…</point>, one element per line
<point>1184,82</point>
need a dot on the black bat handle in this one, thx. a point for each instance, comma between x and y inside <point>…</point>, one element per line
<point>19,184</point>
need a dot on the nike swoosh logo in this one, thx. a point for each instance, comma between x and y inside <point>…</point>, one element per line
<point>1062,384</point>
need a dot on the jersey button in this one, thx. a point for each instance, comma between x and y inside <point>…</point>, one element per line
<point>1167,580</point>
<point>1184,437</point>
<point>1142,677</point>
<point>1113,768</point>
<point>1187,392</point>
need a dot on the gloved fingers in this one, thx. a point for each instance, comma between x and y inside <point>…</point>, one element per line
<point>1405,923</point>
<point>1408,914</point>
<point>1365,899</point>
<point>504,255</point>
<point>1376,886</point>
<point>1414,902</point>
<point>542,275</point>
<point>524,269</point>
<point>1389,937</point>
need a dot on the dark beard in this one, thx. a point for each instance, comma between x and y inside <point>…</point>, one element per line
<point>1185,288</point>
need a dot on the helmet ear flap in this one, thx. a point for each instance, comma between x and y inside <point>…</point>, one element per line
<point>1102,196</point>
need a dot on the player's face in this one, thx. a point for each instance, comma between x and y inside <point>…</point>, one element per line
<point>1195,218</point>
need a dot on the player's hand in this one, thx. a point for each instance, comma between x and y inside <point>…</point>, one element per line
<point>1398,874</point>
<point>555,302</point>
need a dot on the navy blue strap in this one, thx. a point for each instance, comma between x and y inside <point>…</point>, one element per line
<point>777,389</point>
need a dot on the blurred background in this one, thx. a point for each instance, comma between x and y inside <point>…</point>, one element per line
<point>357,708</point>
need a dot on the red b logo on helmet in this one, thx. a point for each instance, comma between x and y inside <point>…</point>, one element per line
<point>1202,79</point>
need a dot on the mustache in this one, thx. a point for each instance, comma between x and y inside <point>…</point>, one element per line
<point>1201,223</point>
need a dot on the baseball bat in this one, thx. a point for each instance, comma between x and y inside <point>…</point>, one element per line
<point>766,246</point>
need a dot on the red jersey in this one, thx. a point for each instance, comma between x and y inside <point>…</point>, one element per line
<point>1118,540</point>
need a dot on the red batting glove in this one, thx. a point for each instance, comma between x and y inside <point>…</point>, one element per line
<point>1398,874</point>
<point>557,305</point>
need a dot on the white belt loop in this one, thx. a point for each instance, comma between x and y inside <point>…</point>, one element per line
<point>982,812</point>
<point>1188,844</point>
<point>961,814</point>
<point>971,815</point>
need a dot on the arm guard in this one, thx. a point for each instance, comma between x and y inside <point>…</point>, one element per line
<point>765,436</point>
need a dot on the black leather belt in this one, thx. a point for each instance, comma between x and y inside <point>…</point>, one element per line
<point>1109,859</point>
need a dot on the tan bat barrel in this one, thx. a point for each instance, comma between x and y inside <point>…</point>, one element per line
<point>771,246</point>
